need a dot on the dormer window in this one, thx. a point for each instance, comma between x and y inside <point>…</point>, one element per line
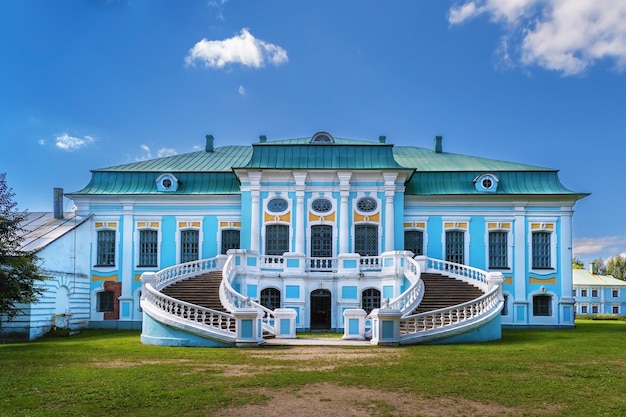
<point>322,137</point>
<point>486,183</point>
<point>167,183</point>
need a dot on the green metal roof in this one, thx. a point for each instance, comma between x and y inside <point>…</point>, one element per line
<point>211,172</point>
<point>424,159</point>
<point>322,156</point>
<point>220,160</point>
<point>459,183</point>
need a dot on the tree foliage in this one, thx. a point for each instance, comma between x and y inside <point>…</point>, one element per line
<point>616,266</point>
<point>19,270</point>
<point>577,263</point>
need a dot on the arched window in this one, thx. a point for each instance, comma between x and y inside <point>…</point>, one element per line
<point>370,299</point>
<point>270,298</point>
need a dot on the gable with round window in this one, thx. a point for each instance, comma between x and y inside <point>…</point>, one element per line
<point>486,183</point>
<point>167,183</point>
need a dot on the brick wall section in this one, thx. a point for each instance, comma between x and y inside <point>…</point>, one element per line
<point>116,288</point>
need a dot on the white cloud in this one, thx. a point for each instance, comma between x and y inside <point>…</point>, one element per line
<point>161,153</point>
<point>599,246</point>
<point>72,143</point>
<point>567,36</point>
<point>41,142</point>
<point>242,49</point>
<point>242,90</point>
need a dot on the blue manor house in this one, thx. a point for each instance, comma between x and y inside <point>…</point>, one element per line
<point>232,244</point>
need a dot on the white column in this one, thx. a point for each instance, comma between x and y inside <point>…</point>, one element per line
<point>255,231</point>
<point>344,211</point>
<point>300,178</point>
<point>519,267</point>
<point>390,191</point>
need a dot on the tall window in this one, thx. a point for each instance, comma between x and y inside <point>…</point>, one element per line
<point>270,298</point>
<point>542,305</point>
<point>366,239</point>
<point>230,240</point>
<point>455,246</point>
<point>370,299</point>
<point>189,245</point>
<point>498,250</point>
<point>106,248</point>
<point>414,241</point>
<point>276,239</point>
<point>148,247</point>
<point>541,250</point>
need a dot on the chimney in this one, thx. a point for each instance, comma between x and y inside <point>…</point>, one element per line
<point>382,139</point>
<point>209,143</point>
<point>592,268</point>
<point>438,146</point>
<point>58,203</point>
<point>262,138</point>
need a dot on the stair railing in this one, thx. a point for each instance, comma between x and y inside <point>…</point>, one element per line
<point>233,300</point>
<point>173,274</point>
<point>454,316</point>
<point>186,312</point>
<point>465,273</point>
<point>412,296</point>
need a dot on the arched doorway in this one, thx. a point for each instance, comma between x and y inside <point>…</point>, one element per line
<point>320,310</point>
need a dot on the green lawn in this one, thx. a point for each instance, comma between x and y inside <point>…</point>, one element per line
<point>576,372</point>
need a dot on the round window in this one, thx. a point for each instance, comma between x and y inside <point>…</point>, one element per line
<point>321,205</point>
<point>277,205</point>
<point>487,183</point>
<point>366,204</point>
<point>166,183</point>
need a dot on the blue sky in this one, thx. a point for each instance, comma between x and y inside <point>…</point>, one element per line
<point>89,84</point>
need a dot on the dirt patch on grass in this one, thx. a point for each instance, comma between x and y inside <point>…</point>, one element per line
<point>330,400</point>
<point>121,364</point>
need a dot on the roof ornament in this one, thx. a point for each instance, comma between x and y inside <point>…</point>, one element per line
<point>323,138</point>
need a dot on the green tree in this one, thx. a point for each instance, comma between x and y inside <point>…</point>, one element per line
<point>19,270</point>
<point>600,266</point>
<point>577,263</point>
<point>616,266</point>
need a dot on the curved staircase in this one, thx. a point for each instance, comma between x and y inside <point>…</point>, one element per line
<point>202,290</point>
<point>441,291</point>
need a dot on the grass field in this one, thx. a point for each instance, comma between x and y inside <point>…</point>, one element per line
<point>575,372</point>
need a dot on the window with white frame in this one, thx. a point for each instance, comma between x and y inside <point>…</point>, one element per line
<point>230,240</point>
<point>105,248</point>
<point>542,242</point>
<point>594,293</point>
<point>542,305</point>
<point>366,239</point>
<point>414,241</point>
<point>270,298</point>
<point>594,309</point>
<point>455,246</point>
<point>584,309</point>
<point>574,292</point>
<point>147,247</point>
<point>189,245</point>
<point>583,292</point>
<point>615,309</point>
<point>615,293</point>
<point>541,258</point>
<point>276,239</point>
<point>455,240</point>
<point>498,248</point>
